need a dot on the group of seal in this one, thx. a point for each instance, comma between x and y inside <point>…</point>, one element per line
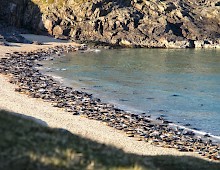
<point>24,72</point>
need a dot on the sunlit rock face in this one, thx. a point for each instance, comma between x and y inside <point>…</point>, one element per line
<point>130,23</point>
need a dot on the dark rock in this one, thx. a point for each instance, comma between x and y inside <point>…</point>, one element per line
<point>37,43</point>
<point>21,13</point>
<point>217,3</point>
<point>175,95</point>
<point>207,135</point>
<point>150,98</point>
<point>161,24</point>
<point>190,133</point>
<point>15,38</point>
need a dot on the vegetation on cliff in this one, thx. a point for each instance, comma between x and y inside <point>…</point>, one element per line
<point>58,3</point>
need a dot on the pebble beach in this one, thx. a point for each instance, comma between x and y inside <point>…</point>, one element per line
<point>25,90</point>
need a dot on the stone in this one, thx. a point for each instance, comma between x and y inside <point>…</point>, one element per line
<point>57,30</point>
<point>125,43</point>
<point>199,44</point>
<point>37,43</point>
<point>48,24</point>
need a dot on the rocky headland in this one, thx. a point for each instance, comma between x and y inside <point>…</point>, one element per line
<point>129,23</point>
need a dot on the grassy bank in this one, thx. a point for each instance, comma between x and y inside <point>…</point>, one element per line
<point>25,144</point>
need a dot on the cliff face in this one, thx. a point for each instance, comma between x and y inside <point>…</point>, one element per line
<point>22,14</point>
<point>142,23</point>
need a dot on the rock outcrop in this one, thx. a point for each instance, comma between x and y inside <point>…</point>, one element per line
<point>130,23</point>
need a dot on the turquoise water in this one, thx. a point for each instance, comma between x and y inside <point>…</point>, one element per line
<point>182,85</point>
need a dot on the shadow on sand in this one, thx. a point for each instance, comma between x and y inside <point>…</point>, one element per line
<point>25,144</point>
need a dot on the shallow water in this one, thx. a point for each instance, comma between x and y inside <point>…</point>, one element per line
<point>182,85</point>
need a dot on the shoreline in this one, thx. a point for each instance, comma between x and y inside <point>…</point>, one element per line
<point>77,84</point>
<point>214,138</point>
<point>145,147</point>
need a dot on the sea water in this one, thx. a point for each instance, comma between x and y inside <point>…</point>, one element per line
<point>182,85</point>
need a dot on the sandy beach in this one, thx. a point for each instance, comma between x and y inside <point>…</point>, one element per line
<point>44,113</point>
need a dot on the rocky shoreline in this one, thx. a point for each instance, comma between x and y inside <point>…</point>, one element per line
<point>22,70</point>
<point>10,34</point>
<point>130,23</point>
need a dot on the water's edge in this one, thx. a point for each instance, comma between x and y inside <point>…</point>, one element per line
<point>128,109</point>
<point>134,111</point>
<point>23,68</point>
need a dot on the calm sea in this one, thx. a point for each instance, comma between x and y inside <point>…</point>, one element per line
<point>181,85</point>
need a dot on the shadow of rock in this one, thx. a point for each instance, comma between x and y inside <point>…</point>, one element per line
<point>42,39</point>
<point>25,144</point>
<point>39,121</point>
<point>22,14</point>
<point>20,17</point>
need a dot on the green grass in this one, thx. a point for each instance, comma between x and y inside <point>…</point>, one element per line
<point>58,2</point>
<point>26,145</point>
<point>44,4</point>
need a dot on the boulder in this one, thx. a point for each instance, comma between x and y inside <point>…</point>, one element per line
<point>48,24</point>
<point>57,30</point>
<point>178,44</point>
<point>125,43</point>
<point>199,44</point>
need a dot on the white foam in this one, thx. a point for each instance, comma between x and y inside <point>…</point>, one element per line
<point>93,50</point>
<point>198,132</point>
